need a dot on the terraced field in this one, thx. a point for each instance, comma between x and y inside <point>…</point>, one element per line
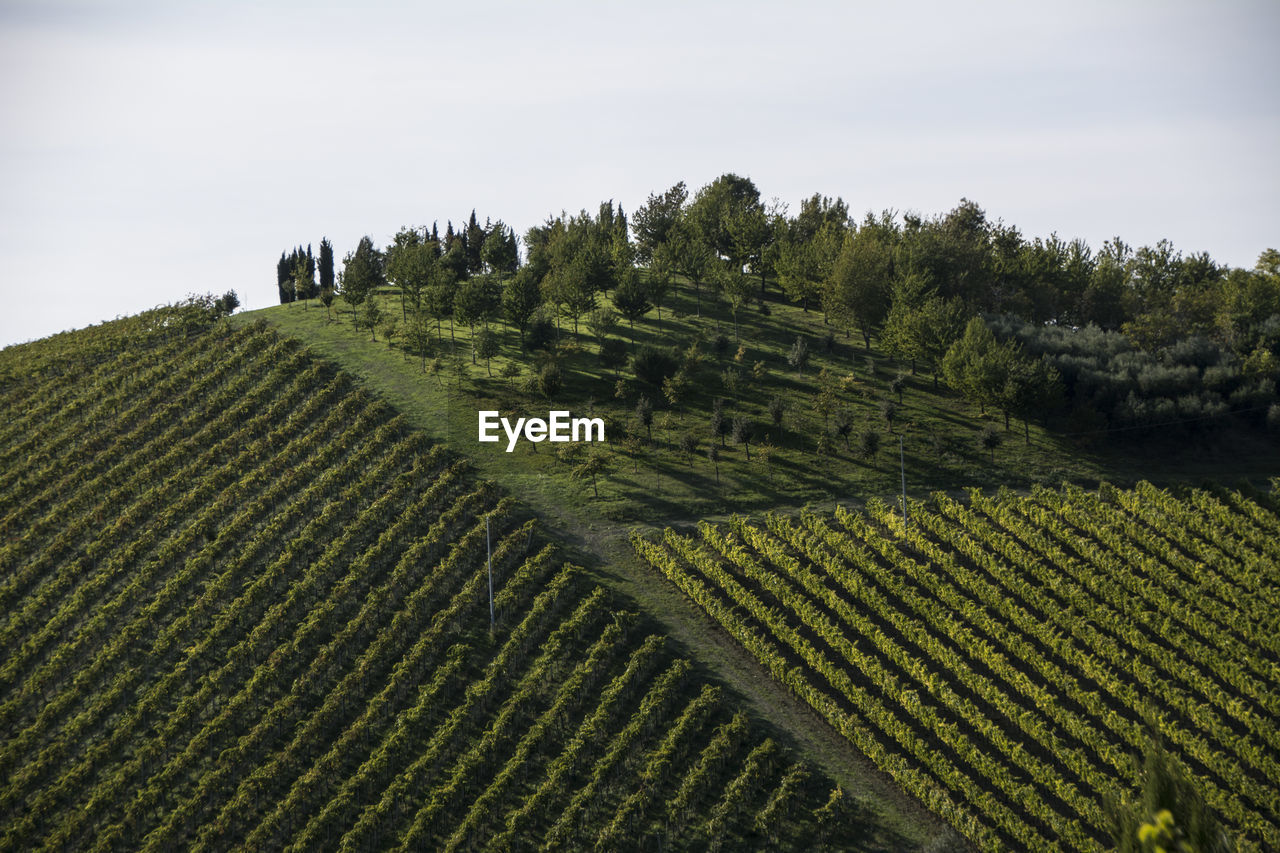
<point>243,605</point>
<point>1004,658</point>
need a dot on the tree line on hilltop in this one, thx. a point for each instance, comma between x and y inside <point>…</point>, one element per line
<point>1112,338</point>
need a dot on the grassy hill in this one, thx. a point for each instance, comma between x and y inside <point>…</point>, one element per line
<point>245,603</point>
<point>650,478</point>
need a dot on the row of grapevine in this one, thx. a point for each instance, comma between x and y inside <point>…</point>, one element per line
<point>256,614</point>
<point>1004,660</point>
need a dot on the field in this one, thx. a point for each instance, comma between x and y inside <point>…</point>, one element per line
<point>1006,657</point>
<point>245,604</point>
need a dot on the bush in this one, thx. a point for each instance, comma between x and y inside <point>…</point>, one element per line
<point>652,365</point>
<point>541,334</point>
<point>550,380</point>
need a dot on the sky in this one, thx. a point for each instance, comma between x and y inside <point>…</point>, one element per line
<point>151,149</point>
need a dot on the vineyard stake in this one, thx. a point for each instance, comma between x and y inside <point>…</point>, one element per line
<point>903,468</point>
<point>488,545</point>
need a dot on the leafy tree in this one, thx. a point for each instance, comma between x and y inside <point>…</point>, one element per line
<point>989,439</point>
<point>362,274</point>
<point>653,365</point>
<point>688,446</point>
<point>372,318</point>
<point>631,299</point>
<point>475,302</point>
<point>438,298</point>
<point>719,422</point>
<point>799,355</point>
<point>486,347</point>
<point>602,322</point>
<point>895,387</point>
<point>550,380</point>
<point>499,253</point>
<point>888,411</point>
<point>326,299</point>
<point>857,289</point>
<point>777,408</point>
<point>844,425</point>
<point>417,336</point>
<point>869,443</point>
<point>596,465</point>
<point>713,455</point>
<point>805,264</point>
<point>976,365</point>
<point>714,209</point>
<point>644,414</point>
<point>737,290</point>
<point>613,354</point>
<point>521,297</point>
<point>655,220</point>
<point>744,431</point>
<point>410,262</point>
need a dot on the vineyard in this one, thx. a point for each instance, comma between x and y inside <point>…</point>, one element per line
<point>243,605</point>
<point>1005,658</point>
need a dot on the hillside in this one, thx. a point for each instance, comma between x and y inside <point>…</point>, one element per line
<point>246,604</point>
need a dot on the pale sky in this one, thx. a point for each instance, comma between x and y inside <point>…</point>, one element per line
<point>149,150</point>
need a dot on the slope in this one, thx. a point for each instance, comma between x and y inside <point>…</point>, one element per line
<point>246,604</point>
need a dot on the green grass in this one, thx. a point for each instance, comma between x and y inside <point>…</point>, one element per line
<point>653,481</point>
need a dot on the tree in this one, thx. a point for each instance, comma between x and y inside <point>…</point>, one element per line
<point>805,263</point>
<point>844,425</point>
<point>989,439</point>
<point>437,299</point>
<point>485,346</point>
<point>326,266</point>
<point>976,365</point>
<point>799,355</point>
<point>417,336</point>
<point>594,466</point>
<point>688,446</point>
<point>644,413</point>
<point>737,290</point>
<point>869,444</point>
<point>719,422</point>
<point>714,208</point>
<point>473,244</point>
<point>475,302</point>
<point>410,262</point>
<point>857,290</point>
<point>284,278</point>
<point>744,430</point>
<point>713,454</point>
<point>613,354</point>
<point>631,299</point>
<point>777,407</point>
<point>654,221</point>
<point>372,318</point>
<point>602,322</point>
<point>362,274</point>
<point>521,297</point>
<point>499,253</point>
<point>301,285</point>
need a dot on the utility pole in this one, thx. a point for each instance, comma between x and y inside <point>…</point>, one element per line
<point>902,463</point>
<point>488,544</point>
